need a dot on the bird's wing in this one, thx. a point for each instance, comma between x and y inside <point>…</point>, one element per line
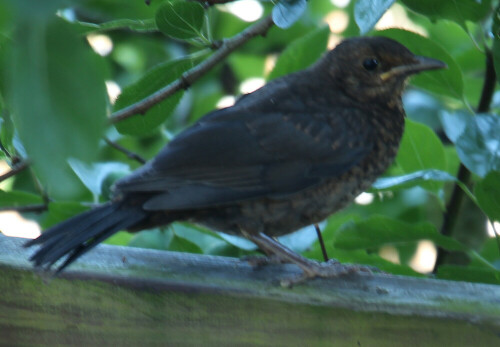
<point>233,156</point>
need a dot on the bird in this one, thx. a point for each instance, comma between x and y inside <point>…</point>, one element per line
<point>283,157</point>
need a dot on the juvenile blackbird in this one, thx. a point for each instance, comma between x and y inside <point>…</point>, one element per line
<point>283,157</point>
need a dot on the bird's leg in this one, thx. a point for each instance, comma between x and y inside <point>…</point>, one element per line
<point>271,258</point>
<point>310,268</point>
<point>256,260</point>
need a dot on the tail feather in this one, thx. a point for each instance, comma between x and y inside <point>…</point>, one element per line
<point>52,239</point>
<point>81,233</point>
<point>87,246</point>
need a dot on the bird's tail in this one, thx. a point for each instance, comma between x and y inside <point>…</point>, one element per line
<point>81,233</point>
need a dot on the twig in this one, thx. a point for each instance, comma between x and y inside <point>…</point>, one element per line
<point>190,76</point>
<point>490,81</point>
<point>3,149</point>
<point>321,242</point>
<point>128,153</point>
<point>26,208</point>
<point>20,166</point>
<point>457,196</point>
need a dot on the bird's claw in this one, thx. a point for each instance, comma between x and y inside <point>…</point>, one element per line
<point>310,268</point>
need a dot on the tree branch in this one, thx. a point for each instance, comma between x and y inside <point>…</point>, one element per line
<point>190,76</point>
<point>457,195</point>
<point>129,154</point>
<point>17,168</point>
<point>20,166</point>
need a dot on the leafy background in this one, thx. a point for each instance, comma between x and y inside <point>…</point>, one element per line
<point>57,61</point>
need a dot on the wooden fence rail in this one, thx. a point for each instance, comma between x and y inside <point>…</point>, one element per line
<point>121,296</point>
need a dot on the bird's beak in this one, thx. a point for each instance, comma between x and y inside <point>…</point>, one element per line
<point>420,64</point>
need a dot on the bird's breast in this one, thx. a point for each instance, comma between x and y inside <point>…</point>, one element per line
<point>318,202</point>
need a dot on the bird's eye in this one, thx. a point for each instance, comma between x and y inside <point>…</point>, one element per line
<point>370,64</point>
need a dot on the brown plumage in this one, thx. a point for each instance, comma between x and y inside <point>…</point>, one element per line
<point>286,156</point>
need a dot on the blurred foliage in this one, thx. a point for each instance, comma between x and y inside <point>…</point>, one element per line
<point>53,107</point>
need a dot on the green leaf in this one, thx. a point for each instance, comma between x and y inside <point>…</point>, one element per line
<point>447,82</point>
<point>154,239</point>
<point>479,146</point>
<point>454,123</point>
<point>487,192</point>
<point>378,231</point>
<point>476,139</point>
<point>413,179</point>
<point>180,19</point>
<point>112,8</point>
<point>204,240</point>
<point>287,12</point>
<point>155,79</point>
<point>329,232</point>
<point>301,53</point>
<point>59,102</point>
<point>163,240</point>
<point>18,198</point>
<point>141,26</point>
<point>422,107</point>
<point>207,97</point>
<point>459,11</point>
<point>179,244</point>
<point>247,65</point>
<point>37,8</point>
<point>490,252</point>
<point>6,15</point>
<point>121,238</point>
<point>228,250</point>
<point>421,149</point>
<point>368,12</point>
<point>93,175</point>
<point>469,274</point>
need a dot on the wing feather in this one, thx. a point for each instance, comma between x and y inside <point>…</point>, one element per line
<point>235,155</point>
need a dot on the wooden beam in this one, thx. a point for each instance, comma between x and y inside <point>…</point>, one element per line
<point>138,297</point>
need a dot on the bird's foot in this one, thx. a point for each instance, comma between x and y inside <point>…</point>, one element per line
<point>310,268</point>
<point>330,269</point>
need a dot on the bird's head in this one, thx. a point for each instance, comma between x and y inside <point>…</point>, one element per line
<point>374,67</point>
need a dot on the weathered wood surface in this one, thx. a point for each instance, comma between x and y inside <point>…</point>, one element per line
<point>117,296</point>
